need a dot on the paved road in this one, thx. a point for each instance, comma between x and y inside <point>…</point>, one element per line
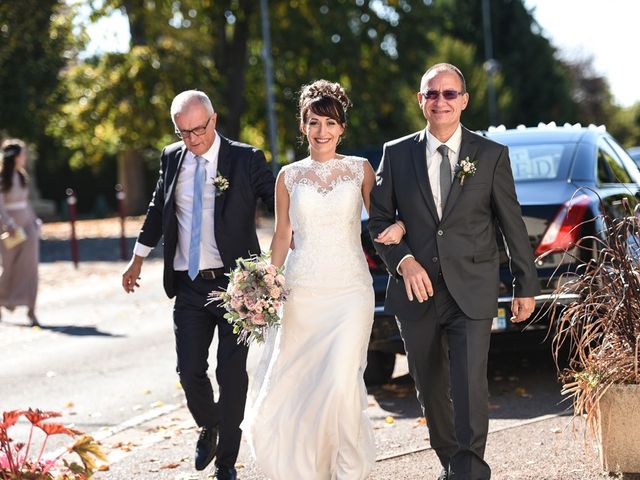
<point>106,360</point>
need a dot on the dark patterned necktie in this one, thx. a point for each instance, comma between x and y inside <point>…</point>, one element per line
<point>445,175</point>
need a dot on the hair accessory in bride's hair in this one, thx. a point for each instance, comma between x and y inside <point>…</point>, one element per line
<point>324,98</point>
<point>324,88</point>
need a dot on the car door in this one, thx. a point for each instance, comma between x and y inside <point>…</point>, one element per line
<point>614,179</point>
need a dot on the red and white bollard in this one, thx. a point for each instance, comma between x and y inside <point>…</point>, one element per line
<point>71,203</point>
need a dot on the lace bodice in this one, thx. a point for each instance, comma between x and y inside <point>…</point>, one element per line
<point>324,210</point>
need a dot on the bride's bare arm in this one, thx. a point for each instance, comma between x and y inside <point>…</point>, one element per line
<point>394,232</point>
<point>282,235</point>
<point>367,184</point>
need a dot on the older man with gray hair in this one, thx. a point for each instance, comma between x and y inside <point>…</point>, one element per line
<point>204,206</point>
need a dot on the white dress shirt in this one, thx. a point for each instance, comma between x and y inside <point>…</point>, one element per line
<point>433,167</point>
<point>209,253</point>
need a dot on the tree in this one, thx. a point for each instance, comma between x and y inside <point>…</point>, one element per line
<point>115,105</point>
<point>537,81</point>
<point>35,45</point>
<point>590,92</point>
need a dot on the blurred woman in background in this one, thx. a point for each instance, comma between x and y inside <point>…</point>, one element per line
<point>20,242</point>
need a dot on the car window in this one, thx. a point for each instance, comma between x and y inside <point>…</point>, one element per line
<point>610,167</point>
<point>536,162</point>
<point>627,160</point>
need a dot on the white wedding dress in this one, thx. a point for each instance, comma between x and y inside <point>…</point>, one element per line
<point>309,420</point>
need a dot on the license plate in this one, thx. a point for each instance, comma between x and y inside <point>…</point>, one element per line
<point>500,321</point>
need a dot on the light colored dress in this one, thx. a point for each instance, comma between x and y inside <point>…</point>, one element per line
<point>19,279</point>
<point>309,420</point>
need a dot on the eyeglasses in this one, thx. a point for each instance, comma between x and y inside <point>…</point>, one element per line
<point>198,131</point>
<point>446,94</point>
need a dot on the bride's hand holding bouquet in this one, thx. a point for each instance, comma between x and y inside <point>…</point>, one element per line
<point>254,297</point>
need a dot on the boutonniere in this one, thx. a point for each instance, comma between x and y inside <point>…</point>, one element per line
<point>465,167</point>
<point>221,184</point>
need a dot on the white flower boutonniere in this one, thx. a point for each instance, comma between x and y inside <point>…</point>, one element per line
<point>221,184</point>
<point>465,167</point>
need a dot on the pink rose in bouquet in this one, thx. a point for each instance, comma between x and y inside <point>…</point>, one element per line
<point>253,298</point>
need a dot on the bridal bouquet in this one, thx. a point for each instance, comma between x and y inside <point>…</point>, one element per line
<point>253,297</point>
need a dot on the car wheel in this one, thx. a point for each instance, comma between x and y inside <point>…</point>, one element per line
<point>379,367</point>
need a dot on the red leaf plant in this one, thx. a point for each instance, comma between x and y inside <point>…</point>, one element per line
<point>16,464</point>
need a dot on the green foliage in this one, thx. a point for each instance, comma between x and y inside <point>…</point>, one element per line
<point>35,45</point>
<point>625,125</point>
<point>85,114</point>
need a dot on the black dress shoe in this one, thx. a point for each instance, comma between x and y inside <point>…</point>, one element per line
<point>443,475</point>
<point>225,473</point>
<point>206,447</point>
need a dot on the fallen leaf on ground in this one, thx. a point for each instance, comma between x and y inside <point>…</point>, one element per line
<point>420,421</point>
<point>555,430</point>
<point>69,405</point>
<point>522,392</point>
<point>170,465</point>
<point>389,420</point>
<point>157,404</point>
<point>103,468</point>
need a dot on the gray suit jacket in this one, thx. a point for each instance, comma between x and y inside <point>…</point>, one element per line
<point>463,244</point>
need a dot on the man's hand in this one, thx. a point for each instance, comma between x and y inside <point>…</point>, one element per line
<point>522,308</point>
<point>131,275</point>
<point>416,280</point>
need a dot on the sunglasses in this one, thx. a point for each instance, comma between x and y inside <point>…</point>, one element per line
<point>446,94</point>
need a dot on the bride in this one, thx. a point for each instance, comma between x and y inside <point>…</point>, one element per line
<point>309,420</point>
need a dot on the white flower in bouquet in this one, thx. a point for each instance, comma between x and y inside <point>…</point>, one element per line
<point>253,298</point>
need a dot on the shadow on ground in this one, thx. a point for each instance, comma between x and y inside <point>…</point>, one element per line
<point>522,385</point>
<point>71,330</point>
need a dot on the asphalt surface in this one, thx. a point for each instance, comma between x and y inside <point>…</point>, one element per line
<point>106,361</point>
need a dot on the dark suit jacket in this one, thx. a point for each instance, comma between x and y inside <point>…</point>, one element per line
<point>463,244</point>
<point>235,209</point>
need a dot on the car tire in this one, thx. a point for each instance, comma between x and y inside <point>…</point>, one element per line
<point>380,367</point>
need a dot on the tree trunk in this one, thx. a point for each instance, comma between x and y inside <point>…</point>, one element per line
<point>230,57</point>
<point>131,171</point>
<point>131,175</point>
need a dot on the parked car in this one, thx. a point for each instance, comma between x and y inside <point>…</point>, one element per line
<point>634,153</point>
<point>550,165</point>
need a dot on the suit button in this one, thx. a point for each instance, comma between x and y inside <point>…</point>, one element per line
<point>440,233</point>
<point>434,259</point>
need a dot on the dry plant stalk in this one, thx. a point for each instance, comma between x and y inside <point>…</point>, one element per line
<point>602,329</point>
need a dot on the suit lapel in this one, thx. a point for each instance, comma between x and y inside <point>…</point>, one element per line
<point>224,168</point>
<point>467,149</point>
<point>180,154</point>
<point>419,157</point>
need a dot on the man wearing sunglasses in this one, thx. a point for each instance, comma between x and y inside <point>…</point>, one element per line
<point>453,189</point>
<point>204,206</point>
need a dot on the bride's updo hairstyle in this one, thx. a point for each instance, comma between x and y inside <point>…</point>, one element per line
<point>326,99</point>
